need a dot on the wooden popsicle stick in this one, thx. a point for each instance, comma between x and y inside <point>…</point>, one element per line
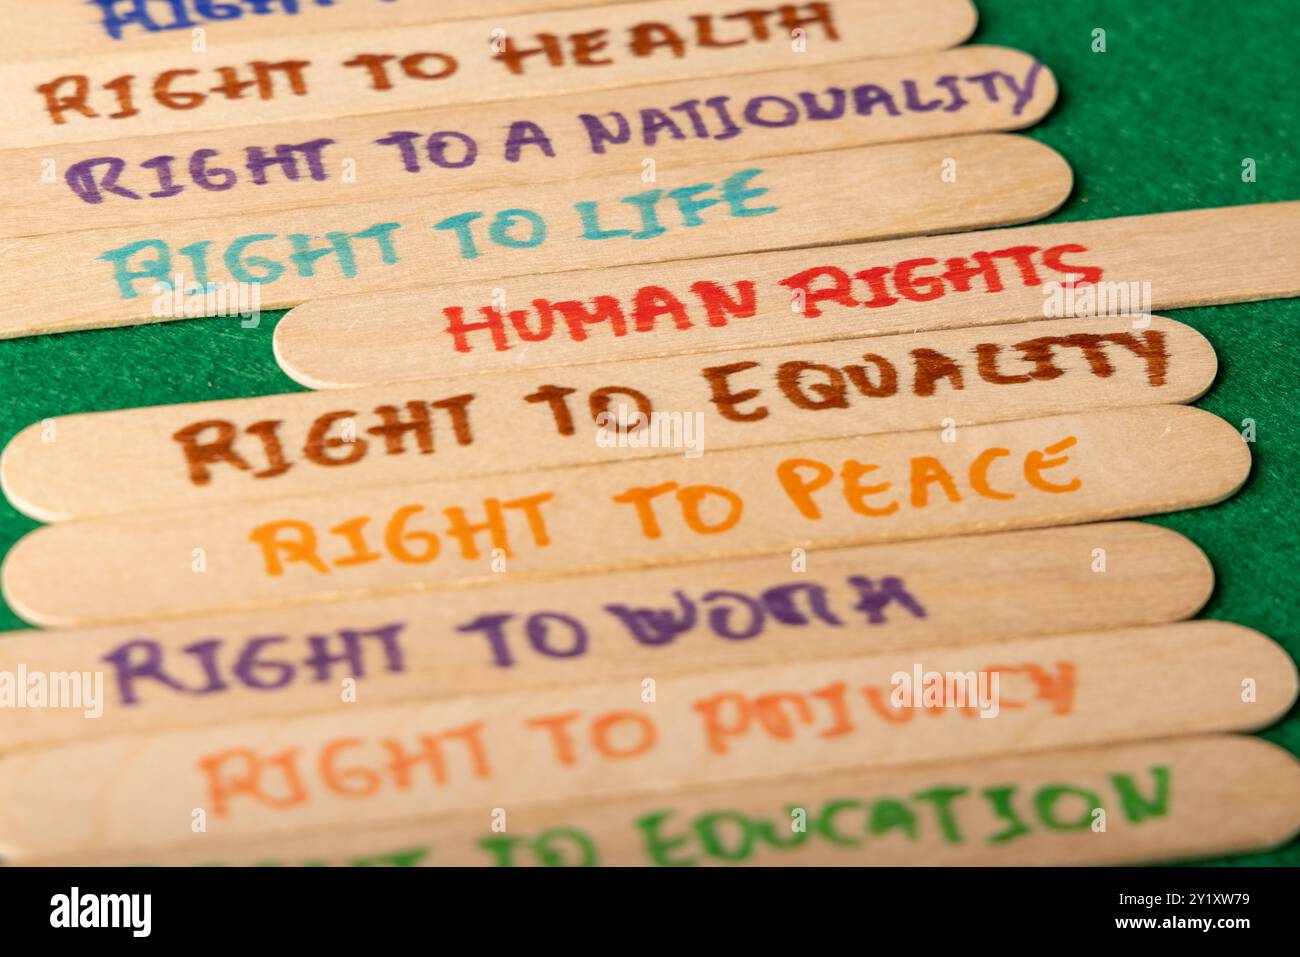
<point>42,28</point>
<point>283,257</point>
<point>321,443</point>
<point>324,75</point>
<point>1202,257</point>
<point>391,156</point>
<point>517,636</point>
<point>1168,800</point>
<point>1057,470</point>
<point>658,731</point>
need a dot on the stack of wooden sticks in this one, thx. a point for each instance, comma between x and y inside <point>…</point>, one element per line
<point>659,501</point>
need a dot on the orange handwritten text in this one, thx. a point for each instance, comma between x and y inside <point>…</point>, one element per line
<point>828,712</point>
<point>292,541</point>
<point>281,780</point>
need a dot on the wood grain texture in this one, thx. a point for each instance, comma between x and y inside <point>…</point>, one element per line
<point>604,739</point>
<point>839,196</point>
<point>36,29</point>
<point>517,636</point>
<point>1196,258</point>
<point>199,454</point>
<point>1056,470</point>
<point>453,63</point>
<point>1165,800</point>
<point>357,167</point>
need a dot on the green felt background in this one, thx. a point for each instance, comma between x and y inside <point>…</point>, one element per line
<point>1160,121</point>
